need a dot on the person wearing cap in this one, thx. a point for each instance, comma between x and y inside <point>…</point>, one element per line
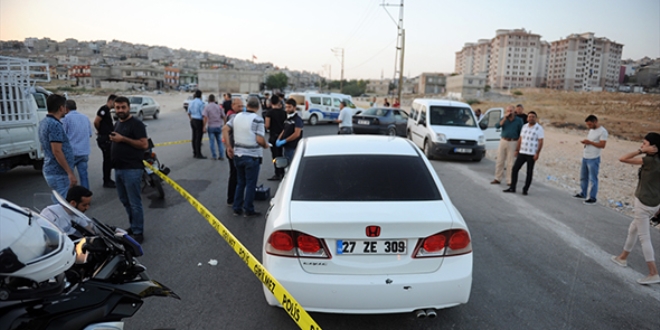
<point>593,146</point>
<point>647,203</point>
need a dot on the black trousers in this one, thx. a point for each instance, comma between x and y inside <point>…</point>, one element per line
<point>520,160</point>
<point>107,161</point>
<point>277,152</point>
<point>197,126</point>
<point>231,183</point>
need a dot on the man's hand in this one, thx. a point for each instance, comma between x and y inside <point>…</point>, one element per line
<point>230,152</point>
<point>204,130</point>
<point>116,137</point>
<point>72,180</point>
<point>280,143</point>
<point>515,153</point>
<point>585,141</point>
<point>651,149</point>
<point>536,157</point>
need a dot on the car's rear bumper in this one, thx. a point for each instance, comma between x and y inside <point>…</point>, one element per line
<point>373,294</point>
<point>449,150</point>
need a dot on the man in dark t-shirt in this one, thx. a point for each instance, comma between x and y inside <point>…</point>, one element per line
<point>227,104</point>
<point>104,126</point>
<point>292,132</point>
<point>520,113</point>
<point>129,141</point>
<point>274,124</point>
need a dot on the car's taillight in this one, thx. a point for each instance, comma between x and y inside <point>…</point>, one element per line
<point>447,243</point>
<point>291,243</point>
<point>306,105</point>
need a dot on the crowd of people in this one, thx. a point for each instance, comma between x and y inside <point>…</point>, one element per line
<point>240,136</point>
<point>521,142</point>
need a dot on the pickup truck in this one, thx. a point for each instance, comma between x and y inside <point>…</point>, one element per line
<point>19,112</point>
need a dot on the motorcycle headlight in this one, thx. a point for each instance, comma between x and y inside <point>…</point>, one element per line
<point>482,140</point>
<point>441,138</point>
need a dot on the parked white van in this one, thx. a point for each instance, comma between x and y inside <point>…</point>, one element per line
<point>449,129</point>
<point>318,107</point>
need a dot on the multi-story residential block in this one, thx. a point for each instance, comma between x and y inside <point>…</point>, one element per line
<point>474,58</point>
<point>516,59</point>
<point>172,76</point>
<point>378,86</point>
<point>432,83</point>
<point>582,62</point>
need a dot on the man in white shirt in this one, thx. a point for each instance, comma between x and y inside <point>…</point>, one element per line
<point>80,198</point>
<point>345,119</point>
<point>529,147</point>
<point>247,152</point>
<point>593,145</point>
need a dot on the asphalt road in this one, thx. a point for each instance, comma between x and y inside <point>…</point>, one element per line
<point>540,261</point>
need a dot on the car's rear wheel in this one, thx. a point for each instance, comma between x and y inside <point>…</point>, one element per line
<point>313,120</point>
<point>427,150</point>
<point>156,114</point>
<point>391,131</point>
<point>140,116</point>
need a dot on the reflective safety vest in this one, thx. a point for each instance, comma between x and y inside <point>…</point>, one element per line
<point>244,137</point>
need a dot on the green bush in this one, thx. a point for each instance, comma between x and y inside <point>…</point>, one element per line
<point>517,93</point>
<point>473,101</point>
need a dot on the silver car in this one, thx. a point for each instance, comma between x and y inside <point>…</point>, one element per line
<point>141,106</point>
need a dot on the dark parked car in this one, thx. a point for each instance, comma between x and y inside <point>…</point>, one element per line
<point>388,121</point>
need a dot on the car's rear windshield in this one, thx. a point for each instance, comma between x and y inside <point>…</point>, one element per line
<point>376,112</point>
<point>364,178</point>
<point>452,116</point>
<point>135,100</point>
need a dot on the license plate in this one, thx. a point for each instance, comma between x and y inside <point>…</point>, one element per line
<point>371,246</point>
<point>363,122</point>
<point>462,151</point>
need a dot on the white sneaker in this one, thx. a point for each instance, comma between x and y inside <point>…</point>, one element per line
<point>649,279</point>
<point>618,261</point>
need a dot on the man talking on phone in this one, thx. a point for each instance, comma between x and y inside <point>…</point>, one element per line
<point>129,141</point>
<point>511,126</point>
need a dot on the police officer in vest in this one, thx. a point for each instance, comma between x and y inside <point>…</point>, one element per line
<point>248,131</point>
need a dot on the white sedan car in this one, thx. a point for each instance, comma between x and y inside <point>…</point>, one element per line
<point>363,225</point>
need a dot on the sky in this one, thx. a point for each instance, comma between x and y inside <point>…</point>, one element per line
<point>301,34</point>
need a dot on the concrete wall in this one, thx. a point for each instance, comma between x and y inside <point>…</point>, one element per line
<point>468,86</point>
<point>232,81</point>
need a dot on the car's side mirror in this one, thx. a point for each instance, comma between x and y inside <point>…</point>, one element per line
<point>281,162</point>
<point>422,122</point>
<point>483,125</point>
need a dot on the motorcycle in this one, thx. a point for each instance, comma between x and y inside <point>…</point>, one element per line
<point>149,178</point>
<point>105,285</point>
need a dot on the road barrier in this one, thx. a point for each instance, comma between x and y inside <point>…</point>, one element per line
<point>291,306</point>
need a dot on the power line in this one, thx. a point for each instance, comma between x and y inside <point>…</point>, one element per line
<point>371,58</point>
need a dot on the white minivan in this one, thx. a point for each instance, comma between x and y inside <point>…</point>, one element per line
<point>449,129</point>
<point>315,108</point>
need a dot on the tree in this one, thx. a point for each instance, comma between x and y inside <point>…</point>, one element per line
<point>277,81</point>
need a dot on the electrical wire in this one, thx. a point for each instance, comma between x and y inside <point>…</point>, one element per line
<point>372,57</point>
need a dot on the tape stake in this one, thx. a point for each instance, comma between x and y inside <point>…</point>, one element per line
<point>290,305</point>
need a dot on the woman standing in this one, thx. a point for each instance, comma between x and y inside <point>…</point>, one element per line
<point>647,203</point>
<point>214,119</point>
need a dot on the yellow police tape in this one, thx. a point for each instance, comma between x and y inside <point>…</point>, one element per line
<point>175,142</point>
<point>291,306</point>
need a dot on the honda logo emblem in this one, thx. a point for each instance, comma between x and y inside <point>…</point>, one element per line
<point>373,231</point>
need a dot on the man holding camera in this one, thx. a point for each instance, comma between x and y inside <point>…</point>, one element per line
<point>511,126</point>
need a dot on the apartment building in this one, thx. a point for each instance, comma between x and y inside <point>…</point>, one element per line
<point>582,62</point>
<point>516,59</point>
<point>474,58</point>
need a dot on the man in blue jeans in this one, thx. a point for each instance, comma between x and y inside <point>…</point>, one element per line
<point>79,130</point>
<point>129,141</point>
<point>248,131</point>
<point>58,153</point>
<point>593,145</point>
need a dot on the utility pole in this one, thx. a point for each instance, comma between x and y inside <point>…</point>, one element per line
<point>341,80</point>
<point>400,45</point>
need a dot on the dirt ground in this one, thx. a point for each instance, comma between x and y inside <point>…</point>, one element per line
<point>627,117</point>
